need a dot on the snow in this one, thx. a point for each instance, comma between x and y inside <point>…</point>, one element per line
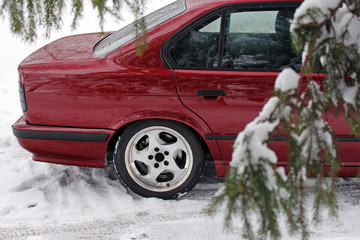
<point>346,25</point>
<point>324,5</point>
<point>40,201</point>
<point>282,174</point>
<point>350,93</point>
<point>255,136</point>
<point>259,130</point>
<point>287,80</point>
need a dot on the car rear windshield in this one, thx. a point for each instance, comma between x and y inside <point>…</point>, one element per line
<point>128,33</point>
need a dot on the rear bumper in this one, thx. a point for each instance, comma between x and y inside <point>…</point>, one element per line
<point>64,145</point>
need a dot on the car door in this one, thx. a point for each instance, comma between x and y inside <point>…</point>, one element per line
<point>347,143</point>
<point>226,64</point>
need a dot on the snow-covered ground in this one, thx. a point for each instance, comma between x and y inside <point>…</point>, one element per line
<point>47,201</point>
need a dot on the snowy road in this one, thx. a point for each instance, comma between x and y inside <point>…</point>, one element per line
<point>45,201</point>
<point>188,223</point>
<point>134,225</point>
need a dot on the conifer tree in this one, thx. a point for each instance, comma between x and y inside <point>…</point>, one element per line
<point>328,35</point>
<point>27,17</point>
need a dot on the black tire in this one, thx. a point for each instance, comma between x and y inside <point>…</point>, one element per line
<point>159,158</point>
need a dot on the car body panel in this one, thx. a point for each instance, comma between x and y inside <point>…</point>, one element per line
<point>72,146</point>
<point>246,94</point>
<point>71,48</point>
<point>95,90</point>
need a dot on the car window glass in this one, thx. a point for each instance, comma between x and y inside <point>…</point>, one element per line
<point>259,40</point>
<point>128,33</point>
<point>213,26</point>
<point>253,22</point>
<point>198,48</point>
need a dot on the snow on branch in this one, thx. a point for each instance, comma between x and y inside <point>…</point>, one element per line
<point>327,33</point>
<point>331,29</point>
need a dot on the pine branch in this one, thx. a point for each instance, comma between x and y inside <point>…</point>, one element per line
<point>28,17</point>
<point>317,34</point>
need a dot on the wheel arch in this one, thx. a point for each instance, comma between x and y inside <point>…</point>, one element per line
<point>192,127</point>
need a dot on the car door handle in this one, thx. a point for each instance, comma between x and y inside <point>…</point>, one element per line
<point>210,93</point>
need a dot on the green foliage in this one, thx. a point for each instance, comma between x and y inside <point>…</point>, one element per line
<point>27,17</point>
<point>138,9</point>
<point>297,114</point>
<point>247,194</point>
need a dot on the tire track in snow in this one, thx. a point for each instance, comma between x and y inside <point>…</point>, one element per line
<point>101,227</point>
<point>203,192</point>
<point>348,192</point>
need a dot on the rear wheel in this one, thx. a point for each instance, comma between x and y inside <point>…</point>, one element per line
<point>157,158</point>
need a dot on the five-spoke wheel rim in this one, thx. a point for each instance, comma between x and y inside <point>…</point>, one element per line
<point>158,158</point>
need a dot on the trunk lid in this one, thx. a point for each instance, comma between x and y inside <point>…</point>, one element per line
<point>77,47</point>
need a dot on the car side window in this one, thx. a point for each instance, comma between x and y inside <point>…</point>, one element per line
<point>199,47</point>
<point>259,41</point>
<point>237,39</point>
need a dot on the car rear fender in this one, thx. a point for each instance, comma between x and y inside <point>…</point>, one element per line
<point>190,120</point>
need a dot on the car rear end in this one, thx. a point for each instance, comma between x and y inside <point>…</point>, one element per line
<point>47,128</point>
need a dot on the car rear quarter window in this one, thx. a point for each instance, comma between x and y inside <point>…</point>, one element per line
<point>199,47</point>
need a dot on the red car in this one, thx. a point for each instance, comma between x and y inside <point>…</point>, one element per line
<point>88,100</point>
